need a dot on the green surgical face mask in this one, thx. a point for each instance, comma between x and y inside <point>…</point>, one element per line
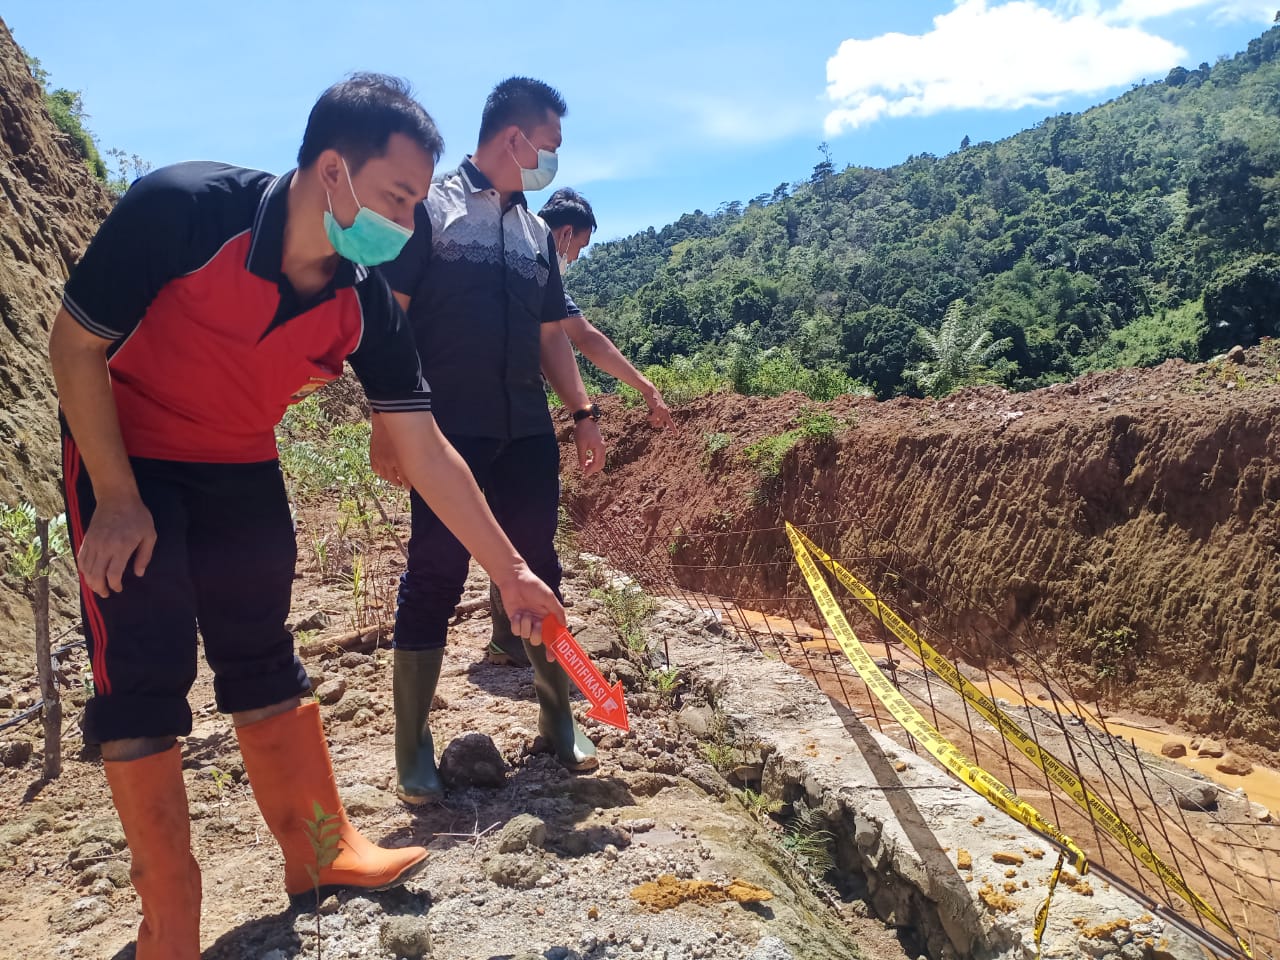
<point>371,239</point>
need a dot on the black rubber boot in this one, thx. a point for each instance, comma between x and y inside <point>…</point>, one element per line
<point>414,677</point>
<point>572,747</point>
<point>505,648</point>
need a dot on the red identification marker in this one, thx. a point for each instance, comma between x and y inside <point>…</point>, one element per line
<point>607,703</point>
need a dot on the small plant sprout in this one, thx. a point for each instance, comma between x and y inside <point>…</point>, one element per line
<point>809,841</point>
<point>757,804</point>
<point>322,833</point>
<point>666,682</point>
<point>221,782</point>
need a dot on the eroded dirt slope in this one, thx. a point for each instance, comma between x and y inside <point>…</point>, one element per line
<point>1127,522</point>
<point>50,206</point>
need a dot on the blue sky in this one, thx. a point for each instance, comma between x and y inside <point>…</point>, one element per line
<point>672,105</point>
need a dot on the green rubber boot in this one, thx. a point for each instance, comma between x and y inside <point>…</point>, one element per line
<point>413,684</point>
<point>505,648</point>
<point>572,747</point>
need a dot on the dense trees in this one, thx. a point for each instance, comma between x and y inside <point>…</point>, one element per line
<point>1086,241</point>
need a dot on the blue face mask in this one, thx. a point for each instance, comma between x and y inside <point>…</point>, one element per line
<point>371,239</point>
<point>540,176</point>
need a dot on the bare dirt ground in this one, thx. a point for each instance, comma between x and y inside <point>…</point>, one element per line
<point>499,884</point>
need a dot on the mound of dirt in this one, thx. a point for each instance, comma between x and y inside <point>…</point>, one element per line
<point>1126,523</point>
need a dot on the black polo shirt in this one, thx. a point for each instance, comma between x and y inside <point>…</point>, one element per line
<point>481,281</point>
<point>210,342</point>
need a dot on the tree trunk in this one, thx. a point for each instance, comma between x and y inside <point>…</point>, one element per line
<point>44,661</point>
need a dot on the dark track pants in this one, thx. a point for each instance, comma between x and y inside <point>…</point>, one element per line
<point>224,560</point>
<point>521,481</point>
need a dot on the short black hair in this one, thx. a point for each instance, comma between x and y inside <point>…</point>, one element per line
<point>567,205</point>
<point>520,101</point>
<point>358,115</point>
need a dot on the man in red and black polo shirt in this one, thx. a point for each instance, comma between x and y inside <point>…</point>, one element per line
<point>212,297</point>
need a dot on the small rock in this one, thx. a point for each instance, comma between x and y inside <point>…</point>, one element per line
<point>707,778</point>
<point>80,915</point>
<point>599,642</point>
<point>364,717</point>
<point>313,621</point>
<point>1210,748</point>
<point>352,704</point>
<point>115,871</point>
<point>628,674</point>
<point>351,660</point>
<point>1260,813</point>
<point>1196,796</point>
<point>513,870</point>
<point>699,721</point>
<point>363,798</point>
<point>15,753</point>
<point>1235,765</point>
<point>649,784</point>
<point>630,760</point>
<point>522,832</point>
<point>407,935</point>
<point>102,888</point>
<point>87,854</point>
<point>1173,749</point>
<point>747,773</point>
<point>472,760</point>
<point>331,691</point>
<point>1236,354</point>
<point>770,948</point>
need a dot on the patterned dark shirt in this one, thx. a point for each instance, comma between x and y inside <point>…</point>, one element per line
<point>481,281</point>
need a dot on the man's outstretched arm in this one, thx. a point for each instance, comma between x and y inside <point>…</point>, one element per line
<point>601,351</point>
<point>428,463</point>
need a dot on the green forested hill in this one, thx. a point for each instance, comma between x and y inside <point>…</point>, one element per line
<point>1092,240</point>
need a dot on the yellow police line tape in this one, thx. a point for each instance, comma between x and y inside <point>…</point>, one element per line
<point>1055,769</point>
<point>917,726</point>
<point>978,779</point>
<point>1042,915</point>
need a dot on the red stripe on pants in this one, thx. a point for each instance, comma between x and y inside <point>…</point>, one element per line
<point>93,614</point>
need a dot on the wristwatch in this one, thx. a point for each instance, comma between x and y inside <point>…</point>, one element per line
<point>592,411</point>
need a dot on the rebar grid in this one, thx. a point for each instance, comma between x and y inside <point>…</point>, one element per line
<point>749,578</point>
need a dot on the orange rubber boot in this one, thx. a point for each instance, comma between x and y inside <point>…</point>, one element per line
<point>287,761</point>
<point>151,800</point>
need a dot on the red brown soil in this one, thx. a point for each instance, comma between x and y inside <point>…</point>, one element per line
<point>1136,499</point>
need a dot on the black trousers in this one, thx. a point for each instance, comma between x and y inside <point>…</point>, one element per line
<point>521,482</point>
<point>223,561</point>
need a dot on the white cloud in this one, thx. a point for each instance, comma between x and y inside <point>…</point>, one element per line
<point>1002,56</point>
<point>1259,11</point>
<point>1140,11</point>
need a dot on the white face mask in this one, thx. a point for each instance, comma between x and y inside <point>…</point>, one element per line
<point>539,177</point>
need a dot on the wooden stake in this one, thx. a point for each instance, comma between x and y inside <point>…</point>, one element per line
<point>49,693</point>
